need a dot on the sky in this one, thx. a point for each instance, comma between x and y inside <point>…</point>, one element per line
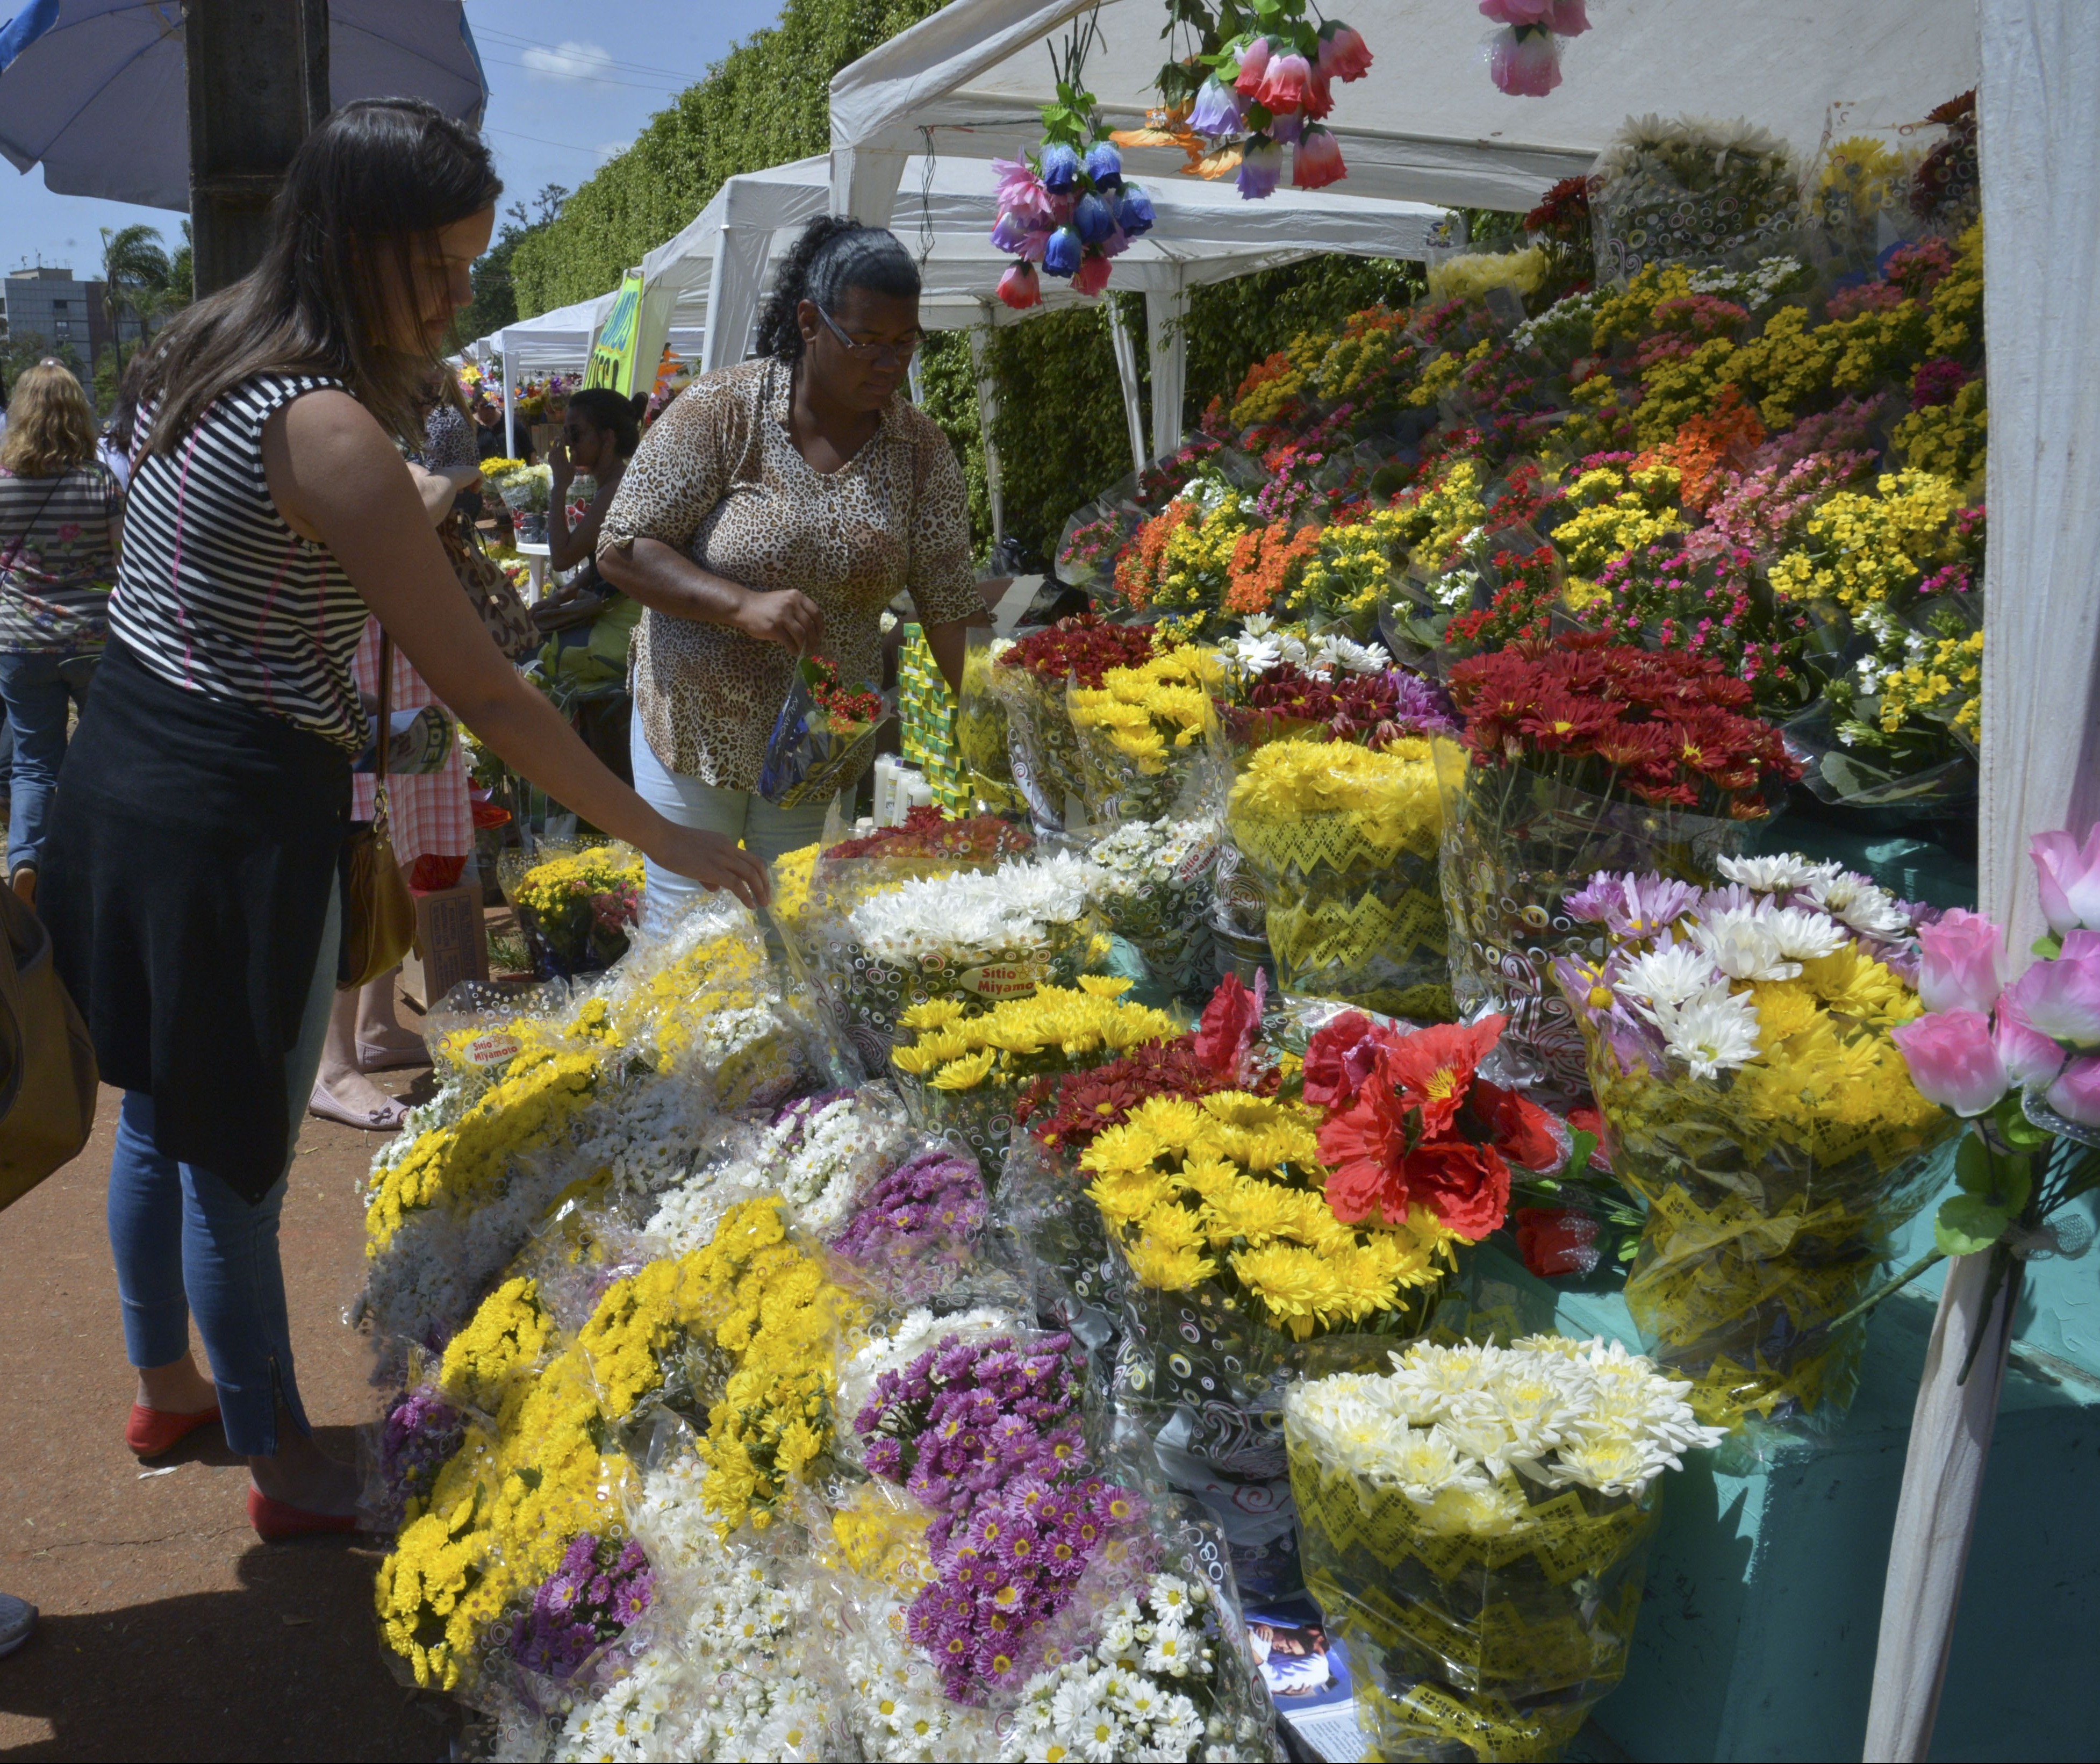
<point>570,85</point>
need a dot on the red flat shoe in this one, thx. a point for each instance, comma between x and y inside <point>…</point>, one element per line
<point>151,1432</point>
<point>279,1522</point>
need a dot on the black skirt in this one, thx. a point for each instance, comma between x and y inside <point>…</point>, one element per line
<point>185,879</point>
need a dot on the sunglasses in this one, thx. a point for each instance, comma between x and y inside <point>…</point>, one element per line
<point>896,355</point>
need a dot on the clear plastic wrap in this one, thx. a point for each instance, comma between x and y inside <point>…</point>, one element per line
<point>1072,1276</point>
<point>1516,843</point>
<point>478,1028</point>
<point>1159,894</point>
<point>1687,190</point>
<point>920,1233</point>
<point>1342,844</point>
<point>823,739</point>
<point>1145,735</point>
<point>981,731</point>
<point>1042,747</point>
<point>577,904</point>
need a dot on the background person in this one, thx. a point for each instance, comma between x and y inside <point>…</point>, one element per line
<point>191,861</point>
<point>774,511</point>
<point>598,436</point>
<point>61,522</point>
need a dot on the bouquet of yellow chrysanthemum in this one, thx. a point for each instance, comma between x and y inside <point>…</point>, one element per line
<point>966,1065</point>
<point>1740,1048</point>
<point>1342,841</point>
<point>575,904</point>
<point>1143,731</point>
<point>1231,1258</point>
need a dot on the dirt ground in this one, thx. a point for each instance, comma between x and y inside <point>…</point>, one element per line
<point>169,1630</point>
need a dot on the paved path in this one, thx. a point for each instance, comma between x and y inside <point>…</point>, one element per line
<point>169,1630</point>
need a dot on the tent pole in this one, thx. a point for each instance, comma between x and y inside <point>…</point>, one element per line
<point>1165,311</point>
<point>509,408</point>
<point>987,418</point>
<point>1125,360</point>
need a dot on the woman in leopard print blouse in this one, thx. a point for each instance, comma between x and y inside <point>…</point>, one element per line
<point>774,510</point>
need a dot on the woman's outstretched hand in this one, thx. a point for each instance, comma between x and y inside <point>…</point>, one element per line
<point>714,861</point>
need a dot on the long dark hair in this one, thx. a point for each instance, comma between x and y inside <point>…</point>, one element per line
<point>604,409</point>
<point>832,255</point>
<point>366,195</point>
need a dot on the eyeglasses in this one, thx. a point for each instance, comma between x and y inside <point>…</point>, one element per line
<point>895,354</point>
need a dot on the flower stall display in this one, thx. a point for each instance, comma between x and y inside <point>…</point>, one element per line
<point>1241,98</point>
<point>1342,841</point>
<point>1143,733</point>
<point>1156,891</point>
<point>1066,207</point>
<point>1031,681</point>
<point>577,904</point>
<point>1667,191</point>
<point>1590,756</point>
<point>823,737</point>
<point>1743,1056</point>
<point>965,1066</point>
<point>1476,1523</point>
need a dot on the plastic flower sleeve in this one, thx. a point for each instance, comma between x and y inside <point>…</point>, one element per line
<point>1342,843</point>
<point>981,730</point>
<point>475,1029</point>
<point>1072,1276</point>
<point>819,744</point>
<point>1687,190</point>
<point>920,1233</point>
<point>577,903</point>
<point>1145,734</point>
<point>1043,751</point>
<point>1516,842</point>
<point>1158,894</point>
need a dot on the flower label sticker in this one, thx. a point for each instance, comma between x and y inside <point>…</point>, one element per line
<point>491,1050</point>
<point>1004,980</point>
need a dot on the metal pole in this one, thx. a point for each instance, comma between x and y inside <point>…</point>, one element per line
<point>258,76</point>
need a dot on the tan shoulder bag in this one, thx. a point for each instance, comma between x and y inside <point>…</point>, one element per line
<point>47,1076</point>
<point>379,912</point>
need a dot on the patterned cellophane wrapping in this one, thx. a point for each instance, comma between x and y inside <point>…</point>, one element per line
<point>1042,746</point>
<point>1761,1231</point>
<point>1516,843</point>
<point>1073,1276</point>
<point>1472,1646</point>
<point>981,737</point>
<point>1348,917</point>
<point>982,1117</point>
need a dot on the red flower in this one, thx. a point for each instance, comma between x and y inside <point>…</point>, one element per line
<point>1227,1031</point>
<point>1338,1060</point>
<point>1432,1069</point>
<point>1522,1132</point>
<point>1557,1240</point>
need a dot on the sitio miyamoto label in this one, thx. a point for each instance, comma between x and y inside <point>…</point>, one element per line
<point>491,1050</point>
<point>1004,980</point>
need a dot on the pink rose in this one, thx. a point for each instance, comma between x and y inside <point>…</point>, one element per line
<point>1284,83</point>
<point>1960,968</point>
<point>1527,66</point>
<point>1516,11</point>
<point>1953,1060</point>
<point>2076,1095</point>
<point>1344,53</point>
<point>2061,998</point>
<point>2068,878</point>
<point>2030,1058</point>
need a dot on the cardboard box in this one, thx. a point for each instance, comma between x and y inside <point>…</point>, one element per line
<point>450,944</point>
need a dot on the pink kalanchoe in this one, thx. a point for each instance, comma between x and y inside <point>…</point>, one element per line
<point>1960,968</point>
<point>2061,999</point>
<point>2030,1058</point>
<point>1254,65</point>
<point>1020,190</point>
<point>2067,877</point>
<point>1020,287</point>
<point>1092,275</point>
<point>1524,65</point>
<point>1284,83</point>
<point>2076,1095</point>
<point>1316,161</point>
<point>1953,1060</point>
<point>1344,53</point>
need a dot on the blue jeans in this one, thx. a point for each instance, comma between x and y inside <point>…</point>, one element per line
<point>766,831</point>
<point>184,1241</point>
<point>36,686</point>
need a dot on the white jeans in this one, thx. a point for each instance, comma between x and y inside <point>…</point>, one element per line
<point>766,831</point>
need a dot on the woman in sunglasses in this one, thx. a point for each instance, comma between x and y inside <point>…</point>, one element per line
<point>774,511</point>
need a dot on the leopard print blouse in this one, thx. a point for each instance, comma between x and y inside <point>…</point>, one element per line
<point>718,477</point>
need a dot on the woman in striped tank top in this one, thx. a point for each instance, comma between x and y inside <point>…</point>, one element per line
<point>189,876</point>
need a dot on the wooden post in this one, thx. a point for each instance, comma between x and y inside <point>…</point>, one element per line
<point>257,73</point>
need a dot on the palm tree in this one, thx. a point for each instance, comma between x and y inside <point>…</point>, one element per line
<point>134,270</point>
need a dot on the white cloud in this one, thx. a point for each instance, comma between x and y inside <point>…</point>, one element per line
<point>571,61</point>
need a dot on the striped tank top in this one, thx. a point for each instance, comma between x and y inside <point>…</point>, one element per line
<point>216,594</point>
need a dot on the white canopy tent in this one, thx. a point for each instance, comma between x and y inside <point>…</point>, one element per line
<point>714,274</point>
<point>553,342</point>
<point>1426,125</point>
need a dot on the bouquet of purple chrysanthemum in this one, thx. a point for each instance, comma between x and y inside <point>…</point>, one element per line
<point>601,1588</point>
<point>416,1439</point>
<point>935,1199</point>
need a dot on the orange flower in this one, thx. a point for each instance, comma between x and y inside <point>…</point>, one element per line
<point>1705,447</point>
<point>1138,564</point>
<point>1263,559</point>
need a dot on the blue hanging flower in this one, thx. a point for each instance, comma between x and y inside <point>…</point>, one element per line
<point>1104,164</point>
<point>1060,167</point>
<point>1062,256</point>
<point>1092,220</point>
<point>1133,210</point>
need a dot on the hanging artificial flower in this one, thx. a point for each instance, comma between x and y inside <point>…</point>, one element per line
<point>1256,94</point>
<point>1524,57</point>
<point>1069,209</point>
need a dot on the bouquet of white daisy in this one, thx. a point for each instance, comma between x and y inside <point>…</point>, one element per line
<point>1740,1045</point>
<point>1157,892</point>
<point>1474,1524</point>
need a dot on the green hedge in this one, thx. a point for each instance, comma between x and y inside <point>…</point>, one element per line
<point>764,103</point>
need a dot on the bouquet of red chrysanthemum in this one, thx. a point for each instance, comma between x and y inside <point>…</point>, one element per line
<point>822,738</point>
<point>1581,756</point>
<point>1411,1123</point>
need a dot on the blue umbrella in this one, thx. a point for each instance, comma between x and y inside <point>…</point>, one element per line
<point>94,89</point>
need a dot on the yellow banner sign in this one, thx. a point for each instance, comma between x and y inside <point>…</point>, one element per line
<point>612,355</point>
